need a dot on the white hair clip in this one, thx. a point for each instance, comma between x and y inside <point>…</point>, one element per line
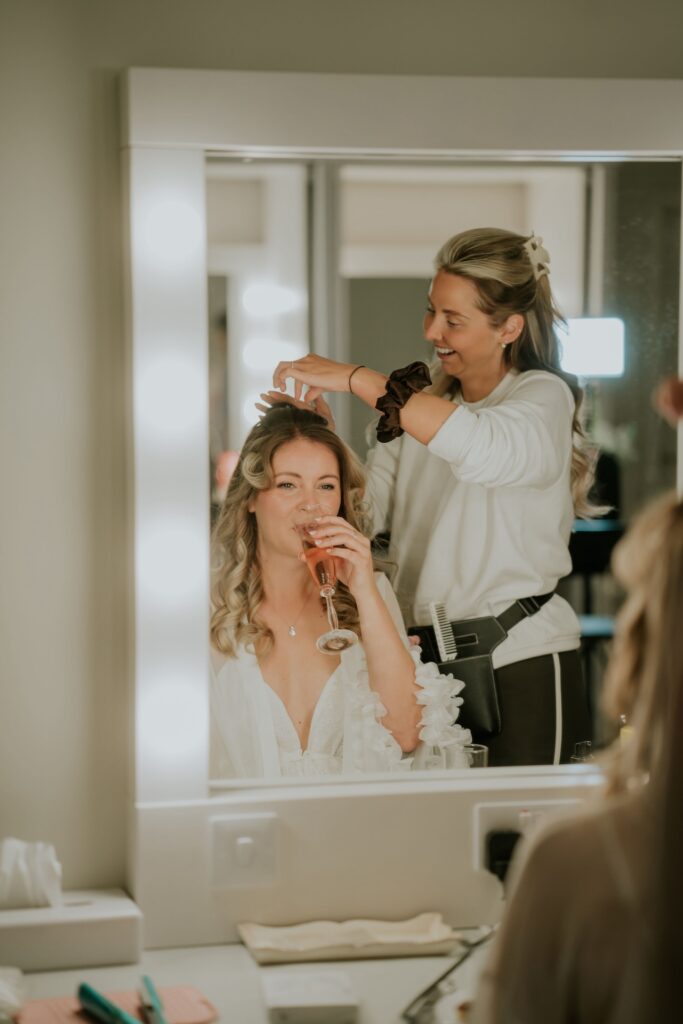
<point>538,256</point>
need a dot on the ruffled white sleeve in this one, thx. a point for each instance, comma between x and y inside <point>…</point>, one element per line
<point>441,738</point>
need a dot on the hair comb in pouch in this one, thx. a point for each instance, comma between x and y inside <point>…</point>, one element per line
<point>443,631</point>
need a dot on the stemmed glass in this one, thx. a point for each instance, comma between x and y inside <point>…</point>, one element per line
<point>323,569</point>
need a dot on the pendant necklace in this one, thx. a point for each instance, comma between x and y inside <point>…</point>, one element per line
<point>291,629</point>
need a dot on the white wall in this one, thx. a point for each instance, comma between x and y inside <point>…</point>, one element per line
<point>65,639</point>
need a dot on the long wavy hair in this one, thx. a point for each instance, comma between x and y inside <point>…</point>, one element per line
<point>237,582</point>
<point>644,683</point>
<point>498,265</point>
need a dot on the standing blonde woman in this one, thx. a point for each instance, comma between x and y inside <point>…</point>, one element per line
<point>478,479</point>
<point>280,706</point>
<point>592,933</point>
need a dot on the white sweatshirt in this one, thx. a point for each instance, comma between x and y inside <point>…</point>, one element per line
<point>483,515</point>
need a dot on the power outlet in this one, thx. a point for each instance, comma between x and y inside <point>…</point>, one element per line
<point>521,817</point>
<point>244,850</point>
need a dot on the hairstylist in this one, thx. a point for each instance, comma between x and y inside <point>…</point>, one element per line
<point>478,478</point>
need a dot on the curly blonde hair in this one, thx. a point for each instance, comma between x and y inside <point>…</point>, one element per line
<point>644,679</point>
<point>644,682</point>
<point>237,583</point>
<point>497,263</point>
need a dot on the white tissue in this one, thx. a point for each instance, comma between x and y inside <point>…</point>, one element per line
<point>30,875</point>
<point>12,991</point>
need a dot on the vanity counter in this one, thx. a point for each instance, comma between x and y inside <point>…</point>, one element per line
<point>230,979</point>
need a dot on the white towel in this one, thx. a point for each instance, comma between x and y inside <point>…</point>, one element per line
<point>424,935</point>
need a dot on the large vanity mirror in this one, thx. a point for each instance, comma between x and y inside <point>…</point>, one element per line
<point>258,236</point>
<point>612,230</point>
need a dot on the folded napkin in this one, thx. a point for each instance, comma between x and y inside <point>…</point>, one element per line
<point>424,935</point>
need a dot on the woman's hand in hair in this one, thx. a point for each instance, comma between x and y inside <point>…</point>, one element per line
<point>316,373</point>
<point>351,551</point>
<point>318,405</point>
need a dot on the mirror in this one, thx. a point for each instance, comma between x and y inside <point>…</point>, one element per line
<point>172,121</point>
<point>613,233</point>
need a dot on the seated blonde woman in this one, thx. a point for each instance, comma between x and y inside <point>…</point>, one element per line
<point>279,706</point>
<point>592,933</point>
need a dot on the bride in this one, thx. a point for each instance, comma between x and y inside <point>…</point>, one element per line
<point>279,706</point>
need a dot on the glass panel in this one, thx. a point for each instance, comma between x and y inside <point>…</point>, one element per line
<point>613,235</point>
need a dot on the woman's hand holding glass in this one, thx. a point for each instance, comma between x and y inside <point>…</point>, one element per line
<point>350,550</point>
<point>308,522</point>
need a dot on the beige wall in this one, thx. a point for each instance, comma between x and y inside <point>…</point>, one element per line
<point>65,642</point>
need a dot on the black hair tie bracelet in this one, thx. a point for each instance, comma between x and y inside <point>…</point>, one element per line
<point>401,385</point>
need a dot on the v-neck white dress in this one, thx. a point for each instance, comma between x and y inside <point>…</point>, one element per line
<point>253,736</point>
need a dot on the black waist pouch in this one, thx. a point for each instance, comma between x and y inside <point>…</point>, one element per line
<point>476,640</point>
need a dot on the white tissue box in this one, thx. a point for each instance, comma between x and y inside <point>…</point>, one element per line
<point>308,997</point>
<point>88,929</point>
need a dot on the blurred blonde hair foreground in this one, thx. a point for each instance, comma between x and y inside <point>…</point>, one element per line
<point>237,584</point>
<point>644,679</point>
<point>645,683</point>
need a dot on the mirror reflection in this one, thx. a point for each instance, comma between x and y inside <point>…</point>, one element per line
<point>479,502</point>
<point>313,673</point>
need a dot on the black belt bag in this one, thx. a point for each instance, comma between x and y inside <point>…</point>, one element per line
<point>476,640</point>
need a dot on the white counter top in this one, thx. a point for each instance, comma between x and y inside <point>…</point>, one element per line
<point>229,977</point>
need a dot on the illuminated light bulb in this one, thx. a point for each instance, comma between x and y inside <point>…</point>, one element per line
<point>250,414</point>
<point>265,298</point>
<point>266,353</point>
<point>171,719</point>
<point>170,397</point>
<point>171,232</point>
<point>593,347</point>
<point>171,564</point>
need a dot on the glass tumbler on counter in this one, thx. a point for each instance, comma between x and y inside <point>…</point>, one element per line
<point>477,755</point>
<point>583,751</point>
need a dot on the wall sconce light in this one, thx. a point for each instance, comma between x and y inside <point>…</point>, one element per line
<point>593,347</point>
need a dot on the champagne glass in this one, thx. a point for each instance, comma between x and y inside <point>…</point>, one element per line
<point>323,569</point>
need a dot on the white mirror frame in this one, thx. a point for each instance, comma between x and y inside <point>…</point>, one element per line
<point>171,120</point>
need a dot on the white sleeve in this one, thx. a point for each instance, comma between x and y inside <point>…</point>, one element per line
<point>523,442</point>
<point>386,592</point>
<point>235,746</point>
<point>221,765</point>
<point>382,467</point>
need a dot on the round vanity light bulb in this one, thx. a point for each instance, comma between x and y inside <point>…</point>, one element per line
<point>171,232</point>
<point>266,353</point>
<point>171,719</point>
<point>267,298</point>
<point>171,565</point>
<point>170,398</point>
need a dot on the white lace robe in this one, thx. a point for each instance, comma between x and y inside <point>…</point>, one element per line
<point>252,735</point>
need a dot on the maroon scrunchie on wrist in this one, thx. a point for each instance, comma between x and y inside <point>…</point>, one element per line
<point>401,386</point>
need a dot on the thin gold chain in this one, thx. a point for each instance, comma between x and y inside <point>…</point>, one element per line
<point>291,628</point>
